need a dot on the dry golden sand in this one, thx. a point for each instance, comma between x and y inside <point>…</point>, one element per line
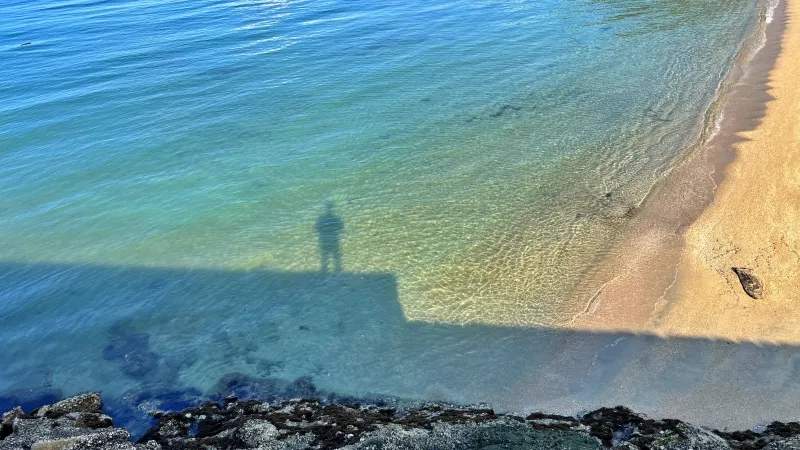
<point>754,222</point>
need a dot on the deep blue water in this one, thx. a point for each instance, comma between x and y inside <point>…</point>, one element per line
<point>165,166</point>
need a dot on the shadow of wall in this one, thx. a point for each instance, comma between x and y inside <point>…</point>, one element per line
<point>147,334</point>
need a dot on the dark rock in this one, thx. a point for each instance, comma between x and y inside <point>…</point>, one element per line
<point>257,432</point>
<point>268,367</point>
<point>123,339</point>
<point>7,421</point>
<point>135,410</point>
<point>751,283</point>
<point>302,387</point>
<point>91,420</point>
<point>306,424</point>
<point>505,108</point>
<point>89,402</point>
<point>65,425</point>
<point>139,364</point>
<point>267,389</point>
<point>164,400</point>
<point>620,424</point>
<point>131,348</point>
<point>247,387</point>
<point>125,410</point>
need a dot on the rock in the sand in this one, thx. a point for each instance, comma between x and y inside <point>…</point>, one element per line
<point>751,283</point>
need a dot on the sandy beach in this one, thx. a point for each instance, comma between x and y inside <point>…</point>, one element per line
<point>734,203</point>
<point>752,223</point>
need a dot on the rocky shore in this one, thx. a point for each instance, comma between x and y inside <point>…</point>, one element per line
<point>79,423</point>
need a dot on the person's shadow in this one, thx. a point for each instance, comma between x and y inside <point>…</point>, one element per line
<point>329,227</point>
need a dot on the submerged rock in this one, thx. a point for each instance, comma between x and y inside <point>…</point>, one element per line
<point>132,350</point>
<point>504,109</point>
<point>751,283</point>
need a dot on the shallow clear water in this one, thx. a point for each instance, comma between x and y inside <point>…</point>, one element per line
<point>166,166</point>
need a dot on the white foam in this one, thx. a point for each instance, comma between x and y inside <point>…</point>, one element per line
<point>717,126</point>
<point>771,6</point>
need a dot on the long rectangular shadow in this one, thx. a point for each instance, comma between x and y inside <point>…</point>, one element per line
<point>127,331</point>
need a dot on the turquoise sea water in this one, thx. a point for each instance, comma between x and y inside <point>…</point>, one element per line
<point>165,169</point>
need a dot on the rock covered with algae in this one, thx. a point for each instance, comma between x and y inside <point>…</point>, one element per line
<point>71,424</point>
<point>78,423</point>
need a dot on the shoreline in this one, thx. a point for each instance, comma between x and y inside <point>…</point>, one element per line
<point>752,223</point>
<point>635,283</point>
